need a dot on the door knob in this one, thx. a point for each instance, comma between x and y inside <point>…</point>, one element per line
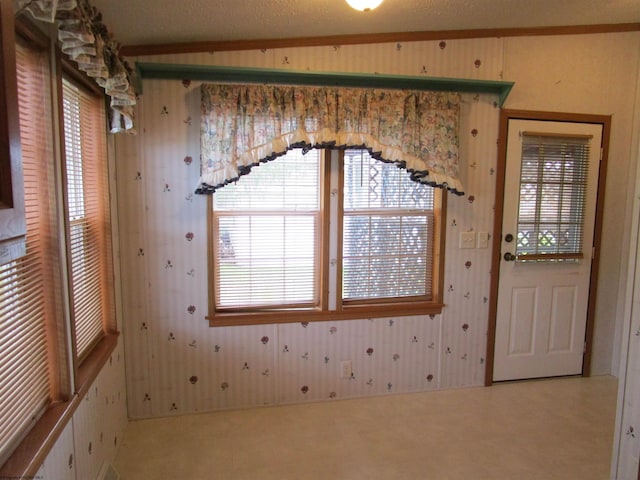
<point>509,257</point>
<point>508,238</point>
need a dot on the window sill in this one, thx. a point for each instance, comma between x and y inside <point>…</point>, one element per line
<point>347,313</point>
<point>27,459</point>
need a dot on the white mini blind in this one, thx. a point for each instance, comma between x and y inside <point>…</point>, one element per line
<point>553,188</point>
<point>87,209</point>
<point>27,285</point>
<point>388,231</point>
<point>266,236</point>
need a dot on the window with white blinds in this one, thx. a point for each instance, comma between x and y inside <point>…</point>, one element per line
<point>553,187</point>
<point>266,231</point>
<point>28,308</point>
<point>388,231</point>
<point>320,235</point>
<point>87,210</point>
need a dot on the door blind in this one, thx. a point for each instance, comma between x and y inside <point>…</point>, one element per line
<point>553,188</point>
<point>27,285</point>
<point>87,210</point>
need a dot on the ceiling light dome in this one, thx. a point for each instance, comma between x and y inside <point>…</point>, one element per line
<point>364,5</point>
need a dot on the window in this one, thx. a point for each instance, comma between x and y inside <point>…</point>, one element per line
<point>553,183</point>
<point>57,326</point>
<point>325,234</point>
<point>388,228</point>
<point>87,215</point>
<point>266,235</point>
<point>29,311</point>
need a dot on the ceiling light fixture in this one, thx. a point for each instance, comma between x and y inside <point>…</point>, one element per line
<point>364,5</point>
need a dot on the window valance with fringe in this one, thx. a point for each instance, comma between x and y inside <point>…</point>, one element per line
<point>244,125</point>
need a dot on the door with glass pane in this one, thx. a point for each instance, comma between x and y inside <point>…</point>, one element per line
<point>551,184</point>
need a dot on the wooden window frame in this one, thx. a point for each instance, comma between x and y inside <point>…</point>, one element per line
<point>28,457</point>
<point>94,240</point>
<point>349,310</point>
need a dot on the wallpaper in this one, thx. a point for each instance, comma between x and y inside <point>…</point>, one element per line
<point>96,429</point>
<point>177,364</point>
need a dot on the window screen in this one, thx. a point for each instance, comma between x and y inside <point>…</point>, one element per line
<point>388,230</point>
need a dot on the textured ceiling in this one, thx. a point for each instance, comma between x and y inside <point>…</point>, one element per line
<point>139,22</point>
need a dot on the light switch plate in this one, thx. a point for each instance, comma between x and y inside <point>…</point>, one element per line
<point>467,239</point>
<point>483,239</point>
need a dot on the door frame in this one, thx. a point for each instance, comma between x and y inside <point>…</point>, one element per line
<point>505,116</point>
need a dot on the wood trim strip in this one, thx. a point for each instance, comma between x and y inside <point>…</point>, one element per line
<point>325,234</point>
<point>213,73</point>
<point>495,246</point>
<point>440,237</point>
<point>29,32</point>
<point>359,39</point>
<point>557,135</point>
<point>210,259</point>
<point>549,256</point>
<point>345,313</point>
<point>10,150</point>
<point>597,242</point>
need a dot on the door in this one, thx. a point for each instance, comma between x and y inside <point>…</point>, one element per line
<point>546,249</point>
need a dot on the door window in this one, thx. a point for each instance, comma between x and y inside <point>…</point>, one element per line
<point>553,188</point>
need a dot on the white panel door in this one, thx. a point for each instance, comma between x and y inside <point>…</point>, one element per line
<point>543,297</point>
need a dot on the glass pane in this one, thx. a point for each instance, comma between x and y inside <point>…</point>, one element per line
<point>387,231</point>
<point>289,182</point>
<point>552,195</point>
<point>266,260</point>
<point>266,228</point>
<point>371,183</point>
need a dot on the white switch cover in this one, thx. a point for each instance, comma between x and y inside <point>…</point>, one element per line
<point>467,239</point>
<point>483,239</point>
<point>346,369</point>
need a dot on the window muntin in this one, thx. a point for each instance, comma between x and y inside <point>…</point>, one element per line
<point>553,183</point>
<point>398,271</point>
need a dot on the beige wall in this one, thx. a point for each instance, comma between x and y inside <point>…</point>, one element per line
<point>594,74</point>
<point>626,453</point>
<point>177,364</point>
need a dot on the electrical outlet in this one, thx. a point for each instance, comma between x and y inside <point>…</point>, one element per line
<point>467,239</point>
<point>345,369</point>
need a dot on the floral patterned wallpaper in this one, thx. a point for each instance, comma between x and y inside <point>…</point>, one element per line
<point>96,429</point>
<point>177,364</point>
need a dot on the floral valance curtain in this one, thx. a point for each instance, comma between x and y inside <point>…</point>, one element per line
<point>243,125</point>
<point>87,41</point>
